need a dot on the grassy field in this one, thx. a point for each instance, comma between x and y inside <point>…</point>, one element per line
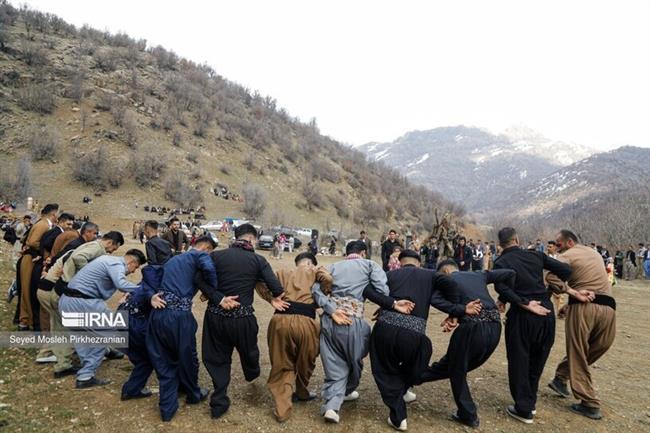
<point>33,401</point>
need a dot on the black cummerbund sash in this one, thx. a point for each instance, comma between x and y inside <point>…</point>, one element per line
<point>410,322</point>
<point>484,316</point>
<point>235,313</point>
<point>605,300</point>
<point>301,308</point>
<point>175,302</point>
<point>72,293</point>
<point>45,285</point>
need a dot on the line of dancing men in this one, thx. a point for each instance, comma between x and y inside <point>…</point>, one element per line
<point>162,327</point>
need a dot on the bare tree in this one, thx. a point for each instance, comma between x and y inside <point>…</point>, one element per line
<point>254,201</point>
<point>23,185</point>
<point>310,193</point>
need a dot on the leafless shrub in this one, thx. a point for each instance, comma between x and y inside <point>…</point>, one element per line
<point>119,113</point>
<point>23,185</point>
<point>106,59</point>
<point>224,169</point>
<point>95,169</point>
<point>249,161</point>
<point>148,165</point>
<point>192,157</point>
<point>37,97</point>
<point>179,191</point>
<point>176,139</point>
<point>44,142</point>
<point>254,201</point>
<point>310,193</point>
<point>130,126</point>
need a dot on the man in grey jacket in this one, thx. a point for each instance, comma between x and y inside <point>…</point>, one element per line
<point>345,335</point>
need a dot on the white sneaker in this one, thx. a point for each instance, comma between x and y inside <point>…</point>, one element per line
<point>410,396</point>
<point>402,425</point>
<point>351,396</point>
<point>331,416</point>
<point>46,359</point>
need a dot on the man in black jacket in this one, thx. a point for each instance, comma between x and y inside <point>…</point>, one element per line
<point>388,247</point>
<point>239,269</point>
<point>530,324</point>
<point>463,254</point>
<point>399,347</point>
<point>475,338</point>
<point>158,250</point>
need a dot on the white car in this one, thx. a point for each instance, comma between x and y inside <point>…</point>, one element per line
<point>212,225</point>
<point>304,232</point>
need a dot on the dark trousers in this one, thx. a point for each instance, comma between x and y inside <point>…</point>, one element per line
<point>398,357</point>
<point>16,319</point>
<point>529,339</point>
<point>33,288</point>
<point>221,335</point>
<point>139,357</point>
<point>171,344</point>
<point>470,347</point>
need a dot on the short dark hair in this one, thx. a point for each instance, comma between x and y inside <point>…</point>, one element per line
<point>66,217</point>
<point>355,247</point>
<point>568,234</point>
<point>306,256</point>
<point>205,239</point>
<point>114,236</point>
<point>29,217</point>
<point>363,232</point>
<point>409,254</point>
<point>173,220</point>
<point>87,226</point>
<point>506,235</point>
<point>551,243</point>
<point>245,229</point>
<point>153,224</point>
<point>462,238</point>
<point>138,255</point>
<point>49,208</point>
<point>391,231</point>
<point>445,263</point>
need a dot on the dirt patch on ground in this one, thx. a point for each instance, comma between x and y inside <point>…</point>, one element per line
<point>39,403</point>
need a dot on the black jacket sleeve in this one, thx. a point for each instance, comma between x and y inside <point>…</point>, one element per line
<point>506,292</point>
<point>385,302</point>
<point>562,270</point>
<point>267,275</point>
<point>445,296</point>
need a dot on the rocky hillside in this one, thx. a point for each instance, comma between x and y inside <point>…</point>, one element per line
<point>605,198</point>
<point>86,112</point>
<point>473,165</point>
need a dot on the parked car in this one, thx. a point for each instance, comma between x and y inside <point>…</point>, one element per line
<point>265,242</point>
<point>304,232</point>
<point>212,225</point>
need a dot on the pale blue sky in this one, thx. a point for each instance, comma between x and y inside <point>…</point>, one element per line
<point>372,70</point>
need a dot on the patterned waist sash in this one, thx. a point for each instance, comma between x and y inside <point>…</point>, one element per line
<point>175,302</point>
<point>484,316</point>
<point>235,313</point>
<point>133,310</point>
<point>352,306</point>
<point>412,323</point>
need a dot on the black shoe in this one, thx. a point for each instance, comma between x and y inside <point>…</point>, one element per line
<point>92,382</point>
<point>114,354</point>
<point>203,394</point>
<point>559,387</point>
<point>67,372</point>
<point>142,394</point>
<point>589,412</point>
<point>526,419</point>
<point>295,398</point>
<point>474,423</point>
